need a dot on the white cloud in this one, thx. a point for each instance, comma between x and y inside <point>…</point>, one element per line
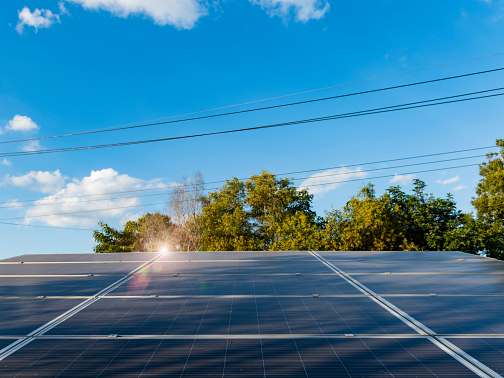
<point>12,204</point>
<point>37,19</point>
<point>182,14</point>
<point>448,181</point>
<point>458,188</point>
<point>32,145</point>
<point>38,181</point>
<point>21,123</point>
<point>402,179</point>
<point>6,162</point>
<point>303,10</point>
<point>75,196</point>
<point>331,179</point>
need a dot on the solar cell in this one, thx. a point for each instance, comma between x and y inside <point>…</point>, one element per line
<point>439,284</point>
<point>74,257</point>
<point>21,316</point>
<point>54,286</point>
<point>489,351</point>
<point>456,315</point>
<point>66,269</point>
<point>209,358</point>
<point>399,262</point>
<point>150,284</point>
<point>242,266</point>
<point>5,342</point>
<point>214,316</point>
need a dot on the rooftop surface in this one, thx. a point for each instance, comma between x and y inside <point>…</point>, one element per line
<point>301,314</point>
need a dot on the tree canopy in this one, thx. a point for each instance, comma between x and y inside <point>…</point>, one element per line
<point>148,233</point>
<point>269,213</point>
<point>489,203</point>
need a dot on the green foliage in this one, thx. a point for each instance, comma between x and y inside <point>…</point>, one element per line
<point>147,233</point>
<point>396,221</point>
<point>267,213</point>
<point>489,203</point>
<point>224,223</point>
<point>109,240</point>
<point>262,213</point>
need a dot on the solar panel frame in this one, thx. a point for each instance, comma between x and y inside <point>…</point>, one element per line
<point>272,358</point>
<point>247,282</point>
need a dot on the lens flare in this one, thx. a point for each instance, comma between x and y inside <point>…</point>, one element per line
<point>164,249</point>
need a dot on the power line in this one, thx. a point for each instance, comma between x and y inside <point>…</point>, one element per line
<point>46,226</point>
<point>307,186</point>
<point>372,111</point>
<point>165,192</point>
<point>256,109</point>
<point>281,174</point>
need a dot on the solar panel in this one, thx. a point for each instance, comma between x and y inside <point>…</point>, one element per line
<point>231,358</point>
<point>21,316</point>
<point>490,351</point>
<point>250,314</point>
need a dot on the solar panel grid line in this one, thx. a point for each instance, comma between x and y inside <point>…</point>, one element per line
<point>17,345</point>
<point>473,364</point>
<point>296,338</point>
<point>216,296</point>
<point>243,336</point>
<point>254,336</point>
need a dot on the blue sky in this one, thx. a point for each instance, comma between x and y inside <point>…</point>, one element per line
<point>86,64</point>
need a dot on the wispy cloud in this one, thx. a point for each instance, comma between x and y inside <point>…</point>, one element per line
<point>458,188</point>
<point>32,145</point>
<point>402,179</point>
<point>448,181</point>
<point>302,10</point>
<point>6,162</point>
<point>331,179</point>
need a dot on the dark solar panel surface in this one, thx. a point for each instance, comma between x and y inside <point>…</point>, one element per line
<point>67,269</point>
<point>234,316</point>
<point>5,342</point>
<point>73,257</point>
<point>21,316</point>
<point>231,358</point>
<point>413,262</point>
<point>152,284</point>
<point>455,284</point>
<point>459,315</point>
<point>250,314</point>
<point>488,351</point>
<point>51,286</point>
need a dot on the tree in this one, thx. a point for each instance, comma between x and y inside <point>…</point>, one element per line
<point>399,221</point>
<point>262,213</point>
<point>151,232</point>
<point>489,203</point>
<point>108,240</point>
<point>224,223</point>
<point>146,234</point>
<point>367,222</point>
<point>185,205</point>
<point>271,202</point>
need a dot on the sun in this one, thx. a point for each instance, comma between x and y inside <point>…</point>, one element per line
<point>163,249</point>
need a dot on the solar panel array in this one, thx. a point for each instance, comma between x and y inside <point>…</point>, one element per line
<point>234,314</point>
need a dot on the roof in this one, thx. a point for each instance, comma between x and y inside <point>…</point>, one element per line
<point>295,314</point>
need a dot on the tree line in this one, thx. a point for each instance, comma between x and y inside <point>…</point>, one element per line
<point>268,213</point>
